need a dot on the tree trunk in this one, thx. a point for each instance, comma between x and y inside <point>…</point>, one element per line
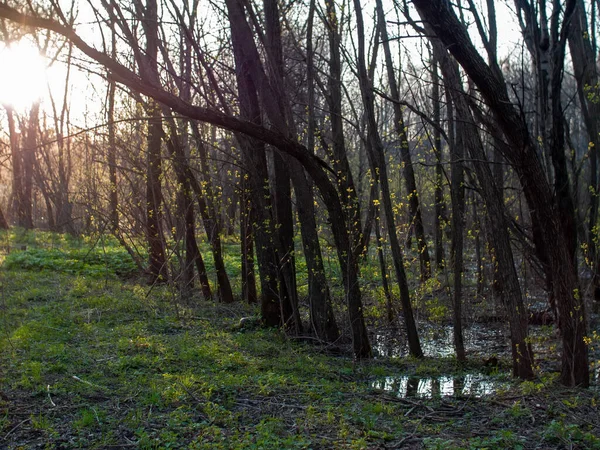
<point>409,172</point>
<point>379,170</point>
<point>542,204</point>
<point>187,183</point>
<point>457,194</point>
<point>322,318</point>
<point>3,222</point>
<point>154,213</point>
<point>17,169</point>
<point>586,75</point>
<point>205,196</point>
<point>254,160</point>
<point>113,197</point>
<point>249,294</point>
<point>340,162</point>
<point>438,195</point>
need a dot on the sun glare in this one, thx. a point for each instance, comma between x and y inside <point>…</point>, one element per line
<point>22,75</point>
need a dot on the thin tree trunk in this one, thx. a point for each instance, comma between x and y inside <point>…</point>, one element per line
<point>113,197</point>
<point>379,169</point>
<point>3,222</point>
<point>340,161</point>
<point>208,212</point>
<point>17,169</point>
<point>383,268</point>
<point>186,181</point>
<point>457,194</point>
<point>543,206</point>
<point>409,173</point>
<point>322,318</point>
<point>30,144</point>
<point>249,294</point>
<point>439,170</point>
<point>154,213</point>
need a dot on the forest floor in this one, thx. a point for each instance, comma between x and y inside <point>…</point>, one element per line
<point>89,360</point>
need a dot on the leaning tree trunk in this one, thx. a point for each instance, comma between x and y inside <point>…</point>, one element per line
<point>438,195</point>
<point>457,194</point>
<point>154,213</point>
<point>379,169</point>
<point>586,75</point>
<point>504,265</point>
<point>247,58</point>
<point>409,172</point>
<point>340,161</point>
<point>543,206</point>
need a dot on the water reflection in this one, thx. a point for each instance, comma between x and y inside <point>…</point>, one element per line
<point>471,385</point>
<point>437,342</point>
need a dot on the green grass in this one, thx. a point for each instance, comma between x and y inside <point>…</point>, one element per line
<point>94,361</point>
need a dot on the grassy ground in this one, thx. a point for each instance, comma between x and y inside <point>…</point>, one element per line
<point>90,360</point>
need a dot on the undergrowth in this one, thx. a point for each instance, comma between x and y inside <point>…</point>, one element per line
<point>90,361</point>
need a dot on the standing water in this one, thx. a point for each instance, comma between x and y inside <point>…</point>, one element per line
<point>470,385</point>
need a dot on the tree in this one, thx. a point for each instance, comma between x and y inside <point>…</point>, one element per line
<point>379,171</point>
<point>416,217</point>
<point>543,204</point>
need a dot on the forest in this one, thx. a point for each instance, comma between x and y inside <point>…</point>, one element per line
<point>299,224</point>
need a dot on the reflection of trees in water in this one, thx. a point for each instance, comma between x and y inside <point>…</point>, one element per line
<point>437,341</point>
<point>469,385</point>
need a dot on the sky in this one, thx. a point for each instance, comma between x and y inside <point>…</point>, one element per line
<point>31,77</point>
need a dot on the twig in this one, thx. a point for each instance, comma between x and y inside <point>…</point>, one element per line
<point>76,378</point>
<point>49,397</point>
<point>15,427</point>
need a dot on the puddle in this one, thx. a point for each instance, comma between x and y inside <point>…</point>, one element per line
<point>437,342</point>
<point>481,341</point>
<point>471,385</point>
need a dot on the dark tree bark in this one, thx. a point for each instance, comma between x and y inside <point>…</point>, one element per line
<point>586,75</point>
<point>188,184</point>
<point>379,170</point>
<point>28,152</point>
<point>3,221</point>
<point>408,170</point>
<point>17,164</point>
<point>340,162</point>
<point>23,158</point>
<point>154,213</point>
<point>254,159</point>
<point>282,193</point>
<point>439,207</point>
<point>113,197</point>
<point>249,294</point>
<point>457,194</point>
